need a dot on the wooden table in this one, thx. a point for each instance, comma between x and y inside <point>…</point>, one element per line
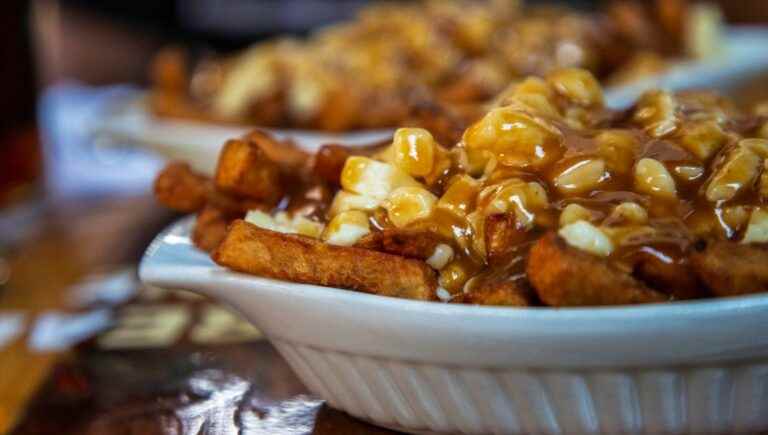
<point>145,380</point>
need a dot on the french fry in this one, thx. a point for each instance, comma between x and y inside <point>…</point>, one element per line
<point>210,227</point>
<point>285,154</point>
<point>564,276</point>
<point>329,161</point>
<point>676,278</point>
<point>245,170</point>
<point>250,249</point>
<point>419,244</point>
<point>503,237</point>
<point>500,293</point>
<point>181,189</point>
<point>731,269</point>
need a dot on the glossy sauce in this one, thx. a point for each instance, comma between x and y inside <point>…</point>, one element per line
<point>674,223</point>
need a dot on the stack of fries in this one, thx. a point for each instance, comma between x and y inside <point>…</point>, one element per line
<point>549,199</point>
<point>430,63</point>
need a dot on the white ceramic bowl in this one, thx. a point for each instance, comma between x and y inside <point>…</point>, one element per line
<point>693,367</point>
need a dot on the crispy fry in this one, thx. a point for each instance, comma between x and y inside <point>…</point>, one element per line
<point>329,161</point>
<point>178,187</point>
<point>673,276</point>
<point>502,293</point>
<point>285,153</point>
<point>244,169</point>
<point>210,227</point>
<point>250,249</point>
<point>565,276</point>
<point>503,237</point>
<point>418,244</point>
<point>730,268</point>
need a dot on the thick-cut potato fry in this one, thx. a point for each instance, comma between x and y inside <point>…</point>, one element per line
<point>286,154</point>
<point>181,189</point>
<point>501,293</point>
<point>503,236</point>
<point>329,161</point>
<point>730,268</point>
<point>565,276</point>
<point>250,249</point>
<point>210,227</point>
<point>244,169</point>
<point>418,244</point>
<point>178,187</point>
<point>674,277</point>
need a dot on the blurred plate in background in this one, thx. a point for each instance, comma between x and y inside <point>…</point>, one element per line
<point>131,123</point>
<point>744,55</point>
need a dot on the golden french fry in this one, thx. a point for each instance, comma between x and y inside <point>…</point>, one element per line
<point>250,249</point>
<point>502,293</point>
<point>418,244</point>
<point>329,161</point>
<point>730,268</point>
<point>244,169</point>
<point>672,277</point>
<point>181,189</point>
<point>284,153</point>
<point>565,276</point>
<point>210,227</point>
<point>503,236</point>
